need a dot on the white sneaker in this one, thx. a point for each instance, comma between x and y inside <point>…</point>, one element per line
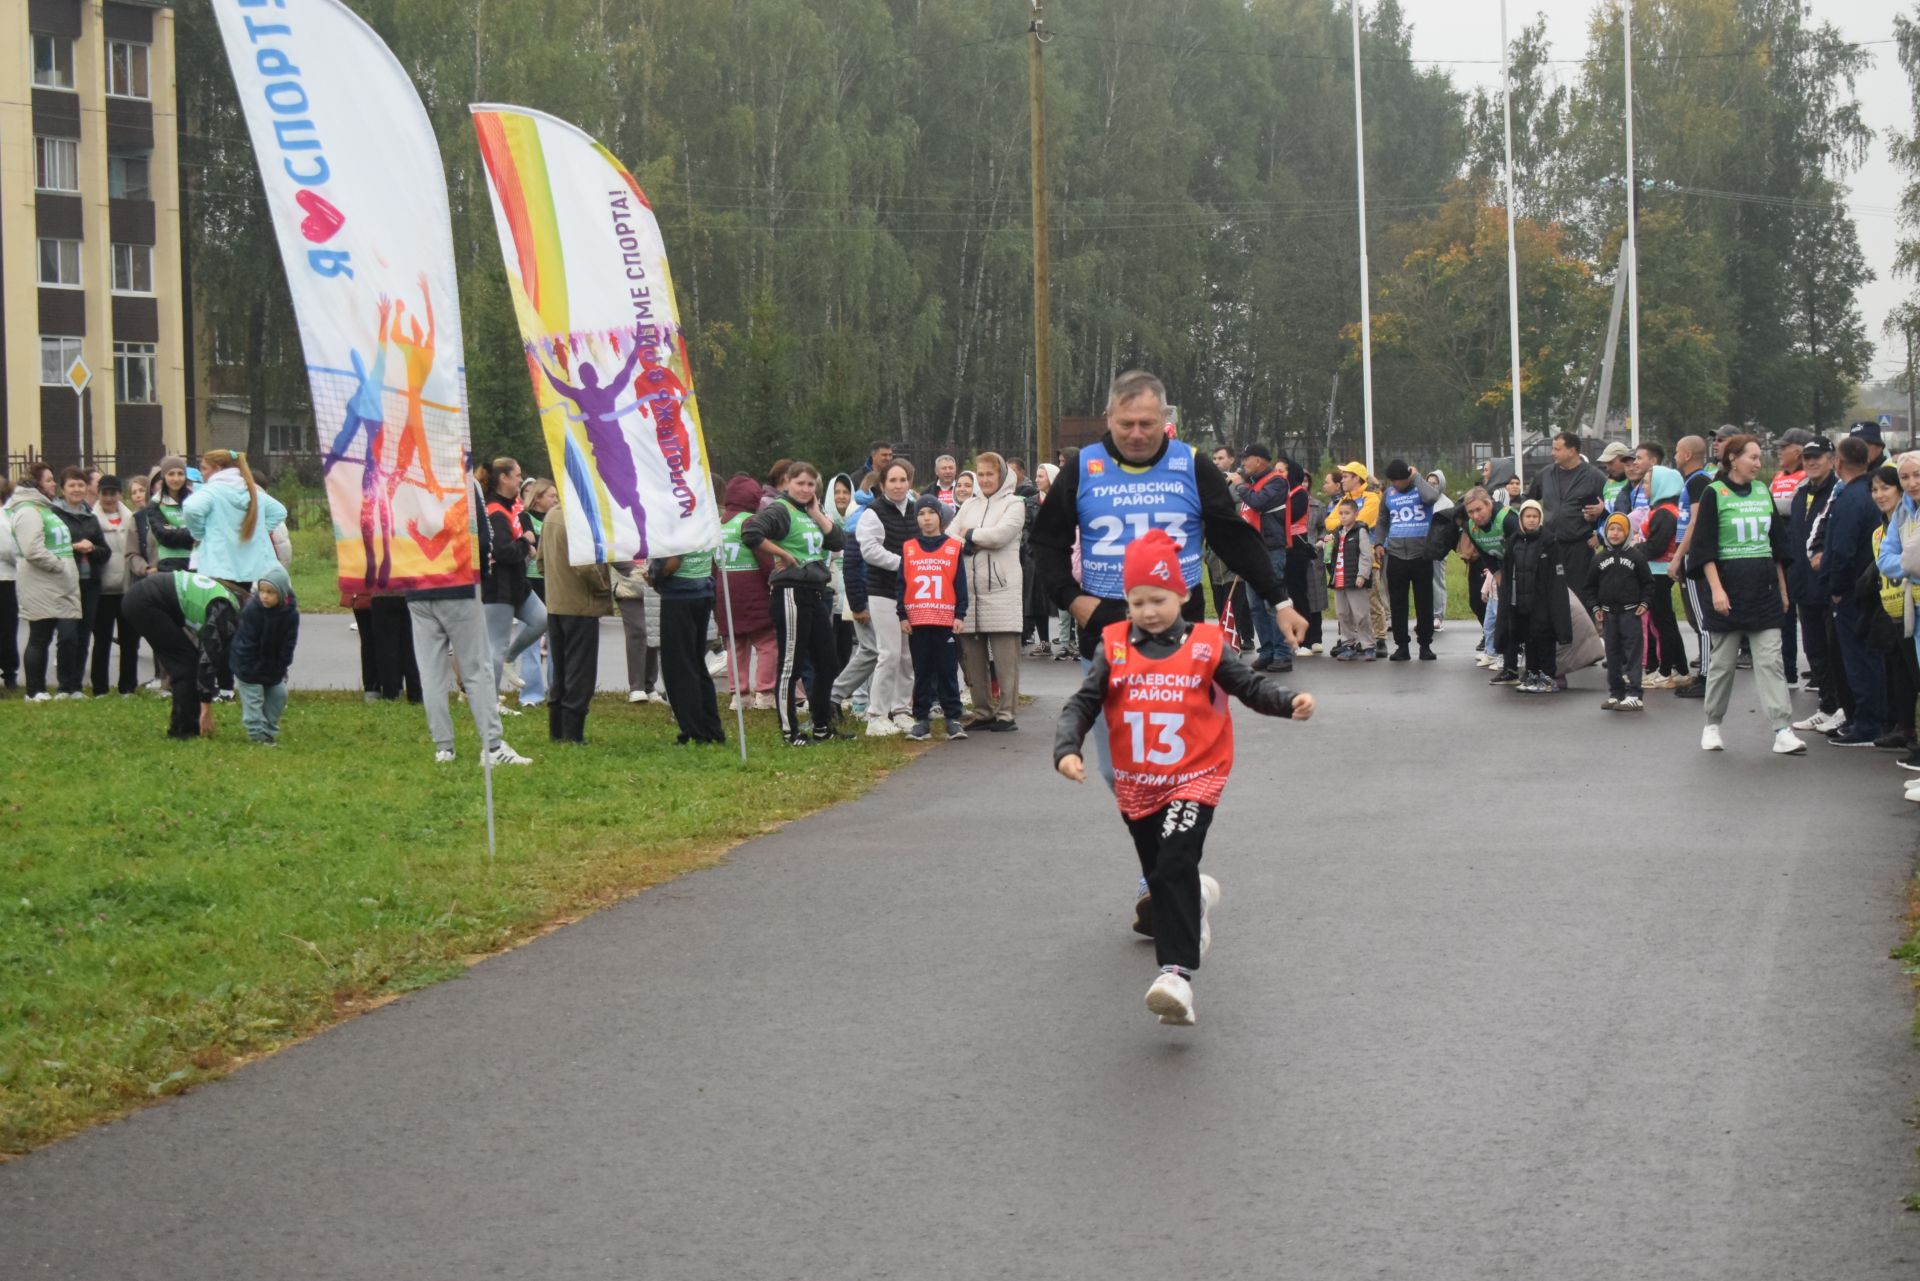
<point>443,758</point>
<point>734,706</point>
<point>506,710</point>
<point>1171,997</point>
<point>1913,796</point>
<point>1631,703</point>
<point>152,686</point>
<point>1822,722</point>
<point>504,755</point>
<point>879,728</point>
<point>511,680</point>
<point>637,696</point>
<point>902,721</point>
<point>1710,739</point>
<point>41,697</point>
<point>1654,680</point>
<point>1913,789</point>
<point>1786,744</point>
<point>1209,899</point>
<point>762,703</point>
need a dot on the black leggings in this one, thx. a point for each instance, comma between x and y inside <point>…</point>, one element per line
<point>1530,636</point>
<point>1668,653</point>
<point>67,636</point>
<point>109,627</point>
<point>803,637</point>
<point>1170,842</point>
<point>1903,686</point>
<point>152,612</point>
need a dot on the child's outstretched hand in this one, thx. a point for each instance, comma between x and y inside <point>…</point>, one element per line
<point>1302,708</point>
<point>1074,769</point>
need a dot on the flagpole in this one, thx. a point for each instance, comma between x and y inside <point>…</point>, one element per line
<point>733,670</point>
<point>1633,253</point>
<point>1366,303</point>
<point>1513,257</point>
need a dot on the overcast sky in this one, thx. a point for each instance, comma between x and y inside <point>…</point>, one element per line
<point>1470,30</point>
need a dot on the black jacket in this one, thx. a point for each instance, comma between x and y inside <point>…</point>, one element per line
<point>1263,694</point>
<point>262,649</point>
<point>1618,581</point>
<point>175,541</point>
<point>1533,579</point>
<point>506,579</point>
<point>775,522</point>
<point>1808,502</point>
<point>1565,493</point>
<point>1237,544</point>
<point>84,524</point>
<point>896,527</point>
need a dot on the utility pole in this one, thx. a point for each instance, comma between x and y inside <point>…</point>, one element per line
<point>1913,428</point>
<point>1366,301</point>
<point>1633,252</point>
<point>1513,257</point>
<point>1042,268</point>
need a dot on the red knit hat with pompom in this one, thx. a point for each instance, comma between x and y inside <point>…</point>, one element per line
<point>1153,560</point>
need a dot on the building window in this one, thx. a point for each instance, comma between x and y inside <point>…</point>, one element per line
<point>133,373</point>
<point>283,438</point>
<point>127,69</point>
<point>127,177</point>
<point>56,357</point>
<point>133,269</point>
<point>56,164</point>
<point>60,262</point>
<point>52,62</point>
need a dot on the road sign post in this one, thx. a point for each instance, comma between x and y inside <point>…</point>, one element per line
<point>78,376</point>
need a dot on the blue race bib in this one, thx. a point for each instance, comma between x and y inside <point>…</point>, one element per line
<point>1118,504</point>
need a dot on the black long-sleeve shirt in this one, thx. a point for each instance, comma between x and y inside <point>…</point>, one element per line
<point>1263,694</point>
<point>773,523</point>
<point>1237,544</point>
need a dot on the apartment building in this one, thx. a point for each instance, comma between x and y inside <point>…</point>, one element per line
<point>90,270</point>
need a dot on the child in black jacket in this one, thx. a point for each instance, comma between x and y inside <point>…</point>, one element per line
<point>261,653</point>
<point>1619,590</point>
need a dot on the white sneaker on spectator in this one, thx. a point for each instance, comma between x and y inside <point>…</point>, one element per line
<point>762,703</point>
<point>510,680</point>
<point>1822,722</point>
<point>41,697</point>
<point>1171,997</point>
<point>505,710</point>
<point>1710,739</point>
<point>879,727</point>
<point>443,758</point>
<point>734,706</point>
<point>504,755</point>
<point>902,722</point>
<point>1786,743</point>
<point>637,696</point>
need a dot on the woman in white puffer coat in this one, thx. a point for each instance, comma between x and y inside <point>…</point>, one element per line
<point>989,525</point>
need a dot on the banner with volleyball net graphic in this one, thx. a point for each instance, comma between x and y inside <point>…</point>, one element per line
<point>591,289</point>
<point>356,190</point>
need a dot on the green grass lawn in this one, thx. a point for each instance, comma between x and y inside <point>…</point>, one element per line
<point>168,909</point>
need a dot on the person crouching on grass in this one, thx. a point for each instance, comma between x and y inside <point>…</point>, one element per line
<point>933,606</point>
<point>1162,683</point>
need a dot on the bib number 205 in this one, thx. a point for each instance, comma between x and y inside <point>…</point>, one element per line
<point>1168,747</point>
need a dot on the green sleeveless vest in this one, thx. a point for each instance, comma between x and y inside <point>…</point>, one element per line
<point>805,541</point>
<point>1745,523</point>
<point>733,553</point>
<point>197,592</point>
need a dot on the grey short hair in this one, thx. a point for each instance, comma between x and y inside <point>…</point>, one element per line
<point>1134,383</point>
<point>946,458</point>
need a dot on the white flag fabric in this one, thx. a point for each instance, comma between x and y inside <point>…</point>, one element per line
<point>588,273</point>
<point>358,199</point>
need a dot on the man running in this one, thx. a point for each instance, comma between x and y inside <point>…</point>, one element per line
<point>1135,479</point>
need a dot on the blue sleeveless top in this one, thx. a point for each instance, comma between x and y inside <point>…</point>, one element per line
<point>1118,503</point>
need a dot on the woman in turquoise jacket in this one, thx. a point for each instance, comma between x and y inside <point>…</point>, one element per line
<point>232,521</point>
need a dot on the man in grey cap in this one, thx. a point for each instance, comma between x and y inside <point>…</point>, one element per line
<point>1614,460</point>
<point>1792,473</point>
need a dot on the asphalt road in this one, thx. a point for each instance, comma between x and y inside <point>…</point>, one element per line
<point>1501,987</point>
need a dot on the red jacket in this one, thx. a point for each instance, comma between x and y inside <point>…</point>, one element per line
<point>751,607</point>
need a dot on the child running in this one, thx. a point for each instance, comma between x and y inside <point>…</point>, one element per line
<point>1155,679</point>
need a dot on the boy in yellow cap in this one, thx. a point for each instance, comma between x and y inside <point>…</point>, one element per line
<point>1618,591</point>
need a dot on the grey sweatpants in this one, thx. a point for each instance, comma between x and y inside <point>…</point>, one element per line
<point>1768,674</point>
<point>857,675</point>
<point>459,625</point>
<point>1354,608</point>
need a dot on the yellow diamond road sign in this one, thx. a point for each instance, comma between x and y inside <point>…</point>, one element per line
<point>78,375</point>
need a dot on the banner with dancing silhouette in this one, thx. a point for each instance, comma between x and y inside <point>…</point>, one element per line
<point>359,205</point>
<point>588,273</point>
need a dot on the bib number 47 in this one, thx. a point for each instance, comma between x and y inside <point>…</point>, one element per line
<point>1169,748</point>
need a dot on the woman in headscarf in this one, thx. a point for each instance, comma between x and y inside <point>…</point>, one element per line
<point>989,525</point>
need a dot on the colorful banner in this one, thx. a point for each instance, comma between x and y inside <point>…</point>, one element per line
<point>597,313</point>
<point>359,203</point>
